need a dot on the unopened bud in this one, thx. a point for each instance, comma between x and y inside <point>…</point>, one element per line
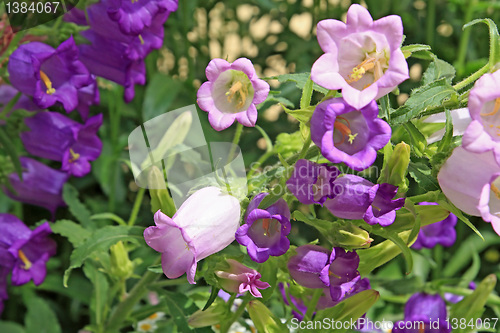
<point>209,317</point>
<point>263,319</point>
<point>352,237</point>
<point>121,266</point>
<point>160,198</point>
<point>395,170</point>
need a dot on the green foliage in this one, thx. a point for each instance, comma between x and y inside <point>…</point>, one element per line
<point>40,318</point>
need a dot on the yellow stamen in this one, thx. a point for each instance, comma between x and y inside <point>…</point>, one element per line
<point>495,190</point>
<point>496,107</point>
<point>345,130</point>
<point>334,275</point>
<point>47,83</point>
<point>360,70</point>
<point>238,88</point>
<point>146,327</point>
<point>141,39</point>
<point>74,156</point>
<point>24,259</point>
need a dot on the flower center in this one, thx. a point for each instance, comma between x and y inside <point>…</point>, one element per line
<point>496,107</point>
<point>27,263</point>
<point>495,191</point>
<point>344,129</point>
<point>74,156</point>
<point>238,94</point>
<point>374,63</point>
<point>269,224</point>
<point>140,37</point>
<point>146,327</point>
<point>47,83</point>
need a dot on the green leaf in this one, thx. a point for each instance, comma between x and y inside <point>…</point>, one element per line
<point>448,134</point>
<point>99,300</point>
<point>75,233</point>
<point>408,50</point>
<point>101,240</point>
<point>438,69</point>
<point>451,207</point>
<point>10,327</point>
<point>322,226</point>
<point>418,141</point>
<point>302,115</point>
<point>269,271</point>
<point>305,100</point>
<point>161,91</point>
<point>269,143</point>
<point>213,295</point>
<point>421,173</point>
<point>180,307</point>
<point>401,244</point>
<point>40,318</point>
<point>108,216</point>
<point>277,99</point>
<point>494,39</point>
<point>11,151</point>
<point>76,207</point>
<point>300,80</point>
<point>430,95</point>
<point>264,320</point>
<point>156,269</point>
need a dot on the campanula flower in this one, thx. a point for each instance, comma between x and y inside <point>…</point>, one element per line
<point>362,57</point>
<point>305,267</point>
<point>49,75</point>
<point>265,230</point>
<point>40,186</point>
<point>311,182</point>
<point>442,232</point>
<point>472,183</point>
<point>203,225</point>
<point>31,249</point>
<point>483,133</point>
<point>422,310</point>
<point>238,279</point>
<point>349,135</point>
<point>56,137</point>
<point>231,93</point>
<point>357,198</point>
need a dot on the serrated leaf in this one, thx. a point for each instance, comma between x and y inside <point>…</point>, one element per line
<point>408,50</point>
<point>75,233</point>
<point>438,69</point>
<point>430,95</point>
<point>302,115</point>
<point>40,318</point>
<point>101,240</point>
<point>494,39</point>
<point>421,173</point>
<point>418,141</point>
<point>76,207</point>
<point>305,100</point>
<point>448,134</point>
<point>300,80</point>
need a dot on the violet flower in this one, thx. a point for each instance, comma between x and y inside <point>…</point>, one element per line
<point>305,267</point>
<point>362,57</point>
<point>56,137</point>
<point>40,186</point>
<point>349,135</point>
<point>203,225</point>
<point>311,182</point>
<point>442,232</point>
<point>483,133</point>
<point>232,92</point>
<point>265,230</point>
<point>452,298</point>
<point>6,265</point>
<point>31,249</point>
<point>472,183</point>
<point>357,198</point>
<point>341,273</point>
<point>422,310</point>
<point>50,76</point>
<point>238,279</point>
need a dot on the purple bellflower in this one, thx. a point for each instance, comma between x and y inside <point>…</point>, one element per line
<point>31,249</point>
<point>265,230</point>
<point>231,93</point>
<point>442,232</point>
<point>345,134</point>
<point>311,182</point>
<point>238,279</point>
<point>357,198</point>
<point>362,57</point>
<point>428,312</point>
<point>203,225</point>
<point>305,267</point>
<point>56,137</point>
<point>40,186</point>
<point>49,76</point>
<point>483,133</point>
<point>472,183</point>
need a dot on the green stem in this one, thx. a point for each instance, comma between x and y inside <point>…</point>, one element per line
<point>491,300</point>
<point>431,18</point>
<point>305,148</point>
<point>259,162</point>
<point>124,308</point>
<point>241,308</point>
<point>438,258</point>
<point>168,283</point>
<point>236,140</point>
<point>473,77</point>
<point>464,38</point>
<point>312,305</point>
<point>137,206</point>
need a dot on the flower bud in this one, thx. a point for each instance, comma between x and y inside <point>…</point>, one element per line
<point>121,266</point>
<point>264,319</point>
<point>209,317</point>
<point>160,198</point>
<point>238,278</point>
<point>352,237</point>
<point>396,168</point>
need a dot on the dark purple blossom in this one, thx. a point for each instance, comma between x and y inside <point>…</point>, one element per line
<point>423,310</point>
<point>311,182</point>
<point>57,137</point>
<point>357,198</point>
<point>49,75</point>
<point>442,232</point>
<point>31,249</point>
<point>305,267</point>
<point>349,135</point>
<point>265,230</point>
<point>6,265</point>
<point>41,185</point>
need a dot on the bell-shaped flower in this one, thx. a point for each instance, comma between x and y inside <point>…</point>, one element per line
<point>472,183</point>
<point>305,267</point>
<point>311,182</point>
<point>349,135</point>
<point>341,273</point>
<point>238,279</point>
<point>231,93</point>
<point>40,186</point>
<point>362,57</point>
<point>357,198</point>
<point>442,232</point>
<point>203,225</point>
<point>31,249</point>
<point>49,75</point>
<point>265,230</point>
<point>56,137</point>
<point>424,313</point>
<point>483,133</point>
